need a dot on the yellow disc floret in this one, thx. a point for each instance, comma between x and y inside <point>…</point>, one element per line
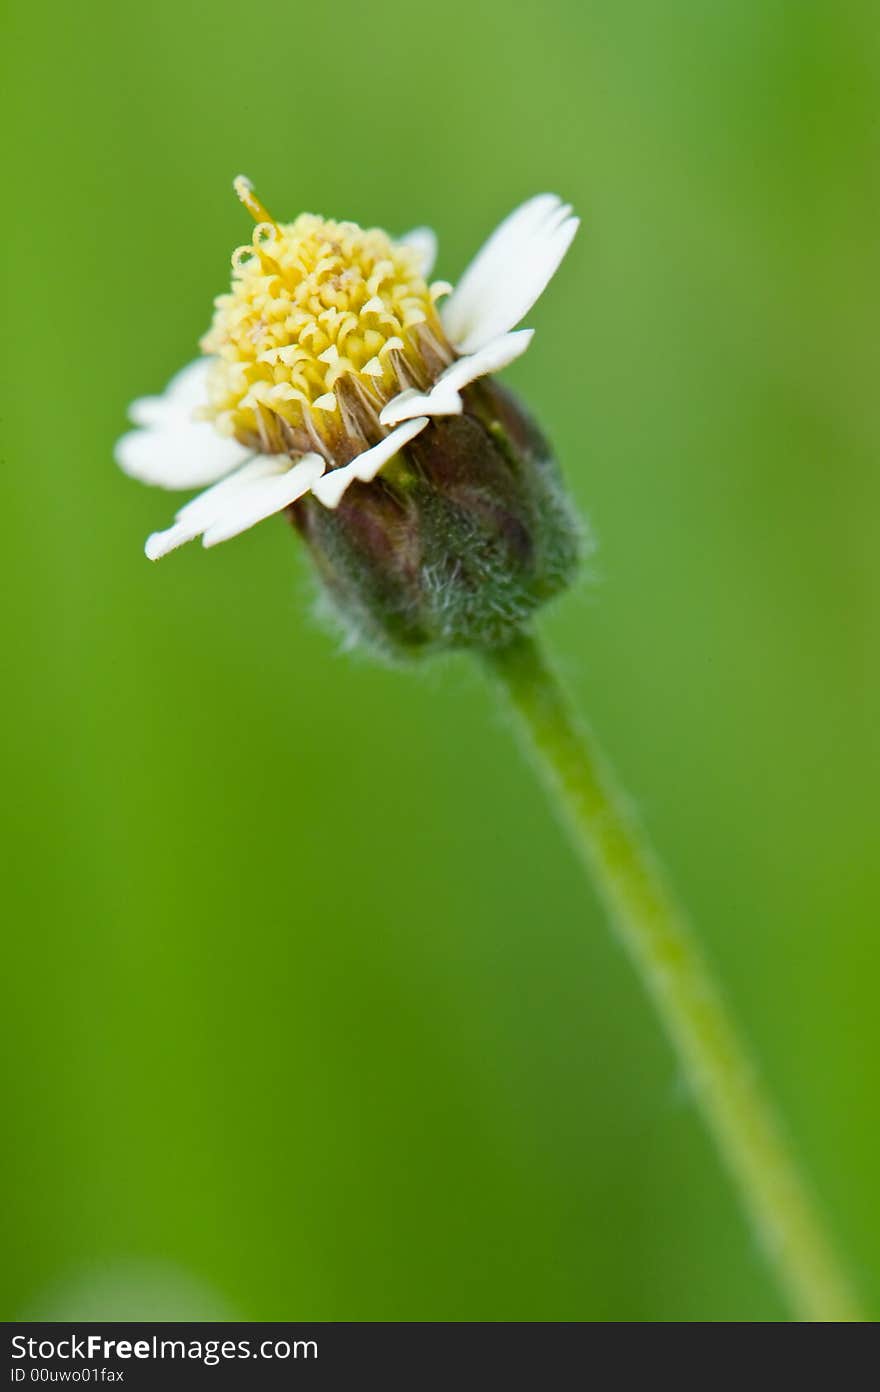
<point>324,323</point>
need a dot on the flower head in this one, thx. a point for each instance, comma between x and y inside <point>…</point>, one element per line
<point>332,362</point>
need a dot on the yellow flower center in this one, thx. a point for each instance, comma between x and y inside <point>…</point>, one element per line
<point>325,322</point>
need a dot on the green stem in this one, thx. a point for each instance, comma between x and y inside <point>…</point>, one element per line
<point>671,967</point>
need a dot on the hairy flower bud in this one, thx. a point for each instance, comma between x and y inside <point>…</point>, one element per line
<point>466,532</point>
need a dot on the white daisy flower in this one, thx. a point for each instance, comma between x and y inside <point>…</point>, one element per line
<point>330,354</point>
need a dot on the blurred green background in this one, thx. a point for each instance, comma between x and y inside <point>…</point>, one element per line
<point>306,1010</point>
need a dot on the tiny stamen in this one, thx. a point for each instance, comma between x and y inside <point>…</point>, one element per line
<point>245,190</point>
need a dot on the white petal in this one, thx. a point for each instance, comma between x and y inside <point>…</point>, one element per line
<point>365,467</point>
<point>410,403</point>
<point>494,355</point>
<point>181,456</point>
<point>158,544</point>
<point>443,399</point>
<point>424,241</point>
<point>148,410</point>
<point>509,273</point>
<point>187,389</point>
<point>262,498</point>
<point>171,449</point>
<point>202,510</point>
<point>208,508</point>
<point>506,243</point>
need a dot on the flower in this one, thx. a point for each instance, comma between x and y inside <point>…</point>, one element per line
<point>328,358</point>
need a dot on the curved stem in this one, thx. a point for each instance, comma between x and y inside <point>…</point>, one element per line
<point>672,969</point>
